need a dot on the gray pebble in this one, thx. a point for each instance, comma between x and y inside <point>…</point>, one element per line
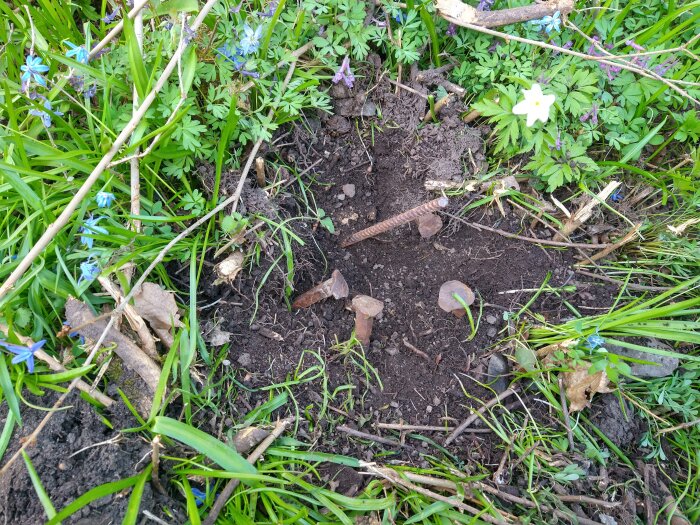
<point>491,319</point>
<point>245,360</point>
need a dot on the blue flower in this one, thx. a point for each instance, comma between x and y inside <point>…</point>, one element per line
<point>109,18</point>
<point>45,115</point>
<point>400,17</point>
<point>104,199</point>
<point>24,353</point>
<point>485,5</point>
<point>549,23</point>
<point>90,226</point>
<point>344,73</point>
<point>78,52</point>
<point>617,195</point>
<point>33,69</point>
<point>251,39</point>
<point>199,496</point>
<point>594,341</point>
<point>235,56</point>
<point>89,270</point>
<point>91,91</point>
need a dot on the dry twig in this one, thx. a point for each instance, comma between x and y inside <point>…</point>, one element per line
<point>458,431</point>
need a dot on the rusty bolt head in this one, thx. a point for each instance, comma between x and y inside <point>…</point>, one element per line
<point>366,309</point>
<point>335,287</point>
<point>446,299</point>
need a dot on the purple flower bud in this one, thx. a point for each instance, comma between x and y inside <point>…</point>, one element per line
<point>344,73</point>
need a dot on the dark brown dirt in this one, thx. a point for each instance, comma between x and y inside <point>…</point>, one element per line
<point>65,478</point>
<point>387,160</point>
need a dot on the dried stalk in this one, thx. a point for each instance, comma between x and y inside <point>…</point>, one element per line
<point>500,397</point>
<point>138,6</point>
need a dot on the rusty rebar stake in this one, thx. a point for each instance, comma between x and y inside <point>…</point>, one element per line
<point>397,220</point>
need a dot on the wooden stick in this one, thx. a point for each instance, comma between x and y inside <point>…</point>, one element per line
<point>53,230</point>
<point>529,239</point>
<point>418,428</point>
<point>500,397</point>
<point>134,172</point>
<point>221,500</point>
<point>607,251</point>
<point>501,17</point>
<point>369,437</point>
<point>138,6</point>
<point>630,286</point>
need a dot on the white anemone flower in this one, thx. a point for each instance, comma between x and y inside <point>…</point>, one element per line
<point>536,105</point>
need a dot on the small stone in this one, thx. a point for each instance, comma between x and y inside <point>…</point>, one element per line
<point>226,362</point>
<point>491,319</point>
<point>429,409</point>
<point>491,332</point>
<point>394,404</point>
<point>340,196</point>
<point>245,360</point>
<point>436,400</point>
<point>661,365</point>
<point>391,350</point>
<point>349,190</point>
<point>497,370</point>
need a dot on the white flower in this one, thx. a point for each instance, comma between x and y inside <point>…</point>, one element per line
<point>536,105</point>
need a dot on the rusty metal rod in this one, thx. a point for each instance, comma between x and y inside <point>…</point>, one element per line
<point>397,220</point>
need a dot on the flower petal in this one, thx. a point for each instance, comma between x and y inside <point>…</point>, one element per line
<point>522,108</point>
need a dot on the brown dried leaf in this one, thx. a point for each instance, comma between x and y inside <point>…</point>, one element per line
<point>580,386</point>
<point>157,306</point>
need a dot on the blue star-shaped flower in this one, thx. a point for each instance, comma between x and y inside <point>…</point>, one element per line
<point>90,226</point>
<point>78,52</point>
<point>199,496</point>
<point>33,69</point>
<point>549,23</point>
<point>594,341</point>
<point>45,116</point>
<point>24,353</point>
<point>104,199</point>
<point>251,39</point>
<point>89,270</point>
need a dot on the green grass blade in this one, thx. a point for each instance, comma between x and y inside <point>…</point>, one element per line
<point>39,488</point>
<point>91,495</point>
<point>203,443</point>
<point>8,390</point>
<point>6,433</point>
<point>132,509</point>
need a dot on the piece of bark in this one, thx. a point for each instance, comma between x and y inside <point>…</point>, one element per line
<point>80,316</point>
<point>462,14</point>
<point>248,438</point>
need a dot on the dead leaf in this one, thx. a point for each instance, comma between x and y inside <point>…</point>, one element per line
<point>157,306</point>
<point>215,336</point>
<point>228,269</point>
<point>580,386</point>
<point>270,334</point>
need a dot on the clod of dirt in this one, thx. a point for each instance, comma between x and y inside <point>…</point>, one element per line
<point>228,269</point>
<point>214,335</point>
<point>447,301</point>
<point>366,309</point>
<point>349,190</point>
<point>618,424</point>
<point>429,224</point>
<point>335,287</point>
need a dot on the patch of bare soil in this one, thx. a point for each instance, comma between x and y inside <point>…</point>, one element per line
<point>367,169</point>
